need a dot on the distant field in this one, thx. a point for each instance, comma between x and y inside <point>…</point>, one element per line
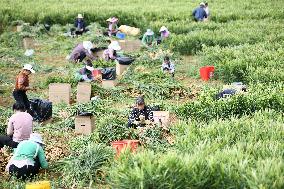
<point>134,12</point>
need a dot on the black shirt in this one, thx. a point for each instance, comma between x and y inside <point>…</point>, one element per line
<point>135,113</point>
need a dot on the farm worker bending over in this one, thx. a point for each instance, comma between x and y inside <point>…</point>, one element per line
<point>86,73</point>
<point>28,158</point>
<point>168,66</point>
<point>164,33</point>
<point>140,115</point>
<point>82,50</point>
<point>199,13</point>
<point>22,86</point>
<point>111,52</point>
<point>112,26</point>
<point>148,38</point>
<point>234,88</point>
<point>19,128</point>
<point>80,26</point>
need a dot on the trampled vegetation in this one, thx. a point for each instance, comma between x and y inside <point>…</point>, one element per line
<point>229,143</point>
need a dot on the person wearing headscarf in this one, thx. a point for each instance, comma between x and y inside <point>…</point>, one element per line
<point>112,26</point>
<point>111,52</point>
<point>164,33</point>
<point>168,66</point>
<point>28,158</point>
<point>80,26</point>
<point>199,13</point>
<point>140,115</point>
<point>83,50</point>
<point>148,38</point>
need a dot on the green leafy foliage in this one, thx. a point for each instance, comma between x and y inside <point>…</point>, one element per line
<point>83,166</point>
<point>258,98</point>
<point>4,116</point>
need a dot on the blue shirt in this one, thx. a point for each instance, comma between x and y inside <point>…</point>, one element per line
<point>199,14</point>
<point>80,24</point>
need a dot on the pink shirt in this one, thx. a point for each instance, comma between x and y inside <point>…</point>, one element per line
<point>165,34</point>
<point>20,126</point>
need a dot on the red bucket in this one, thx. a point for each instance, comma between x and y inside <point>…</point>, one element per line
<point>97,72</point>
<point>133,144</point>
<point>119,146</point>
<point>207,72</point>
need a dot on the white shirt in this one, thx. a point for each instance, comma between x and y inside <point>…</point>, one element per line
<point>170,67</point>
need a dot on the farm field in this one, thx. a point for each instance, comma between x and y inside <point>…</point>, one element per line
<point>237,142</point>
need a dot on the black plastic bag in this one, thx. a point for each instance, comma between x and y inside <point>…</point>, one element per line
<point>108,74</point>
<point>41,110</point>
<point>124,60</point>
<point>226,93</point>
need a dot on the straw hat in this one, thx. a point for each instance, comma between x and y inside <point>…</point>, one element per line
<point>80,16</point>
<point>149,32</point>
<point>115,46</point>
<point>36,138</point>
<point>28,67</point>
<point>163,28</point>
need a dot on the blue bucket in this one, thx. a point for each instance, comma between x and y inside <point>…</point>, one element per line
<point>120,35</point>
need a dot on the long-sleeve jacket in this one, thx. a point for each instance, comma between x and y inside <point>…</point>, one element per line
<point>78,50</point>
<point>199,14</point>
<point>80,24</point>
<point>148,39</point>
<point>135,113</point>
<point>20,125</point>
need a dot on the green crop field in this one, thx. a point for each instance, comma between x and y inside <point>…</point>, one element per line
<point>237,142</point>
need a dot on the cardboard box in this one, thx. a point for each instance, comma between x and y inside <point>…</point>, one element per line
<point>59,92</point>
<point>28,43</point>
<point>19,28</point>
<point>130,45</point>
<point>109,83</point>
<point>84,91</point>
<point>120,68</point>
<point>162,117</point>
<point>84,124</point>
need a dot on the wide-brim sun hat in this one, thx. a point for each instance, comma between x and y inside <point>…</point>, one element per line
<point>202,4</point>
<point>29,67</point>
<point>149,32</point>
<point>163,28</point>
<point>115,46</point>
<point>88,45</point>
<point>35,137</point>
<point>80,16</point>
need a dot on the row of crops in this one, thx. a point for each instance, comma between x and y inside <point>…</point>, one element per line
<point>228,143</point>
